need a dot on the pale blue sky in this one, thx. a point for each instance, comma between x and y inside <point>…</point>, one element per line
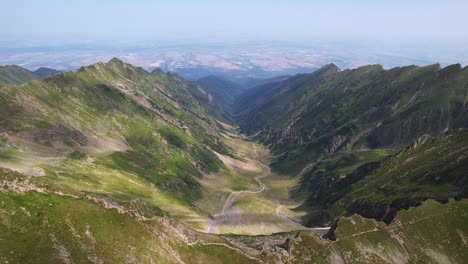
<point>366,19</point>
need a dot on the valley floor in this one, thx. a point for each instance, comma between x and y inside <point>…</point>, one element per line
<point>252,207</point>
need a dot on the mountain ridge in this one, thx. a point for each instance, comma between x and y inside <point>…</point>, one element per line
<point>15,75</point>
<point>114,147</point>
<point>309,95</point>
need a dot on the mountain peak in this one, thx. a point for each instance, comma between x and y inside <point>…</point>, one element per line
<point>116,60</point>
<point>157,71</point>
<point>44,72</point>
<point>331,66</point>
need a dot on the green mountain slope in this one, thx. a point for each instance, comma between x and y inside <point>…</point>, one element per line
<point>430,168</point>
<point>310,117</point>
<point>12,74</point>
<point>223,90</point>
<point>255,96</point>
<point>114,164</point>
<point>249,83</point>
<point>431,233</point>
<point>41,225</point>
<point>110,118</point>
<point>336,128</point>
<point>223,93</point>
<point>44,72</point>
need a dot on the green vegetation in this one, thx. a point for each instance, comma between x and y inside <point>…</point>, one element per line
<point>310,117</point>
<point>334,129</point>
<point>123,112</point>
<point>12,74</point>
<point>434,168</point>
<point>431,233</point>
<point>430,168</point>
<point>174,137</point>
<point>47,228</point>
<point>76,155</point>
<point>15,75</point>
<point>113,147</point>
<point>3,141</point>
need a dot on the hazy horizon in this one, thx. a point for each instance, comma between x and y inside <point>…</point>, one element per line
<point>362,19</point>
<point>274,37</point>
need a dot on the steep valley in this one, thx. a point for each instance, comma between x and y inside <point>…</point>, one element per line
<point>114,164</point>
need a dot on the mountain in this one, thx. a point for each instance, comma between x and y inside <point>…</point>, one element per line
<point>12,74</point>
<point>141,123</point>
<point>430,168</point>
<point>343,133</point>
<point>223,92</point>
<point>309,117</point>
<point>257,95</point>
<point>254,82</point>
<point>114,164</point>
<point>41,227</point>
<point>44,72</point>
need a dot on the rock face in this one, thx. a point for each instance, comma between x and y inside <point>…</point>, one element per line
<point>331,234</point>
<point>382,212</point>
<point>287,245</point>
<point>57,133</point>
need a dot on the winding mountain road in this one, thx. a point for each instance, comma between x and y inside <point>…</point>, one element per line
<point>231,198</point>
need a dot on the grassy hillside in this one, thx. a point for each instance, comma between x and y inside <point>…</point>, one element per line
<point>115,164</point>
<point>339,131</point>
<point>251,82</point>
<point>40,224</point>
<point>434,168</point>
<point>112,127</point>
<point>431,233</point>
<point>12,74</point>
<point>15,75</point>
<point>309,117</point>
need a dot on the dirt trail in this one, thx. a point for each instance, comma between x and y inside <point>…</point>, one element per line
<point>230,200</point>
<point>253,212</point>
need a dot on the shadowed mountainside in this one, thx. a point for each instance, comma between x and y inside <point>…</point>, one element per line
<point>308,117</point>
<point>334,129</point>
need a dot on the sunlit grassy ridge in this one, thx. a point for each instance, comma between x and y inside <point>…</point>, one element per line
<point>43,222</point>
<point>45,227</point>
<point>105,122</point>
